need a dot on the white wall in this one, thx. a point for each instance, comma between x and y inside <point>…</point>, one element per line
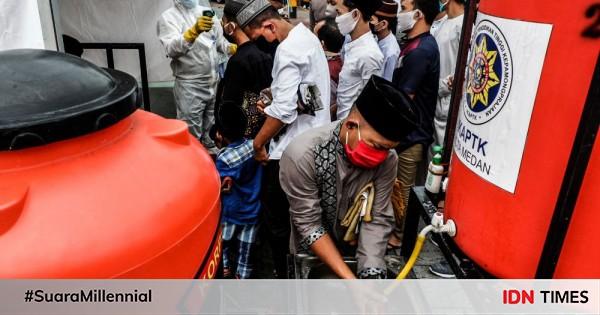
<point>118,21</point>
<point>25,24</point>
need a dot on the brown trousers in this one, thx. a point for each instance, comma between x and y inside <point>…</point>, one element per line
<point>408,166</point>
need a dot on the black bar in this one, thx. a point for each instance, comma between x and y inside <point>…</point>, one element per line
<point>144,76</point>
<point>110,58</point>
<point>140,47</point>
<point>411,224</point>
<point>574,175</point>
<point>459,79</point>
<point>111,45</point>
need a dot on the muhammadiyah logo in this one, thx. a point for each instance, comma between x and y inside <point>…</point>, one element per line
<point>489,74</point>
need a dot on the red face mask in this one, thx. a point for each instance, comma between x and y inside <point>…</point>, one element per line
<point>364,155</point>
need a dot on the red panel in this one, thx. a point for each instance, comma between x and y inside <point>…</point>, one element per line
<point>502,232</point>
<point>580,256</point>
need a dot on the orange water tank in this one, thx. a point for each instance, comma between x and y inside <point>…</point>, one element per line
<point>91,187</point>
<point>525,170</point>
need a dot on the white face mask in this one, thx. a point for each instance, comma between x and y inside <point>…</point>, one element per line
<point>406,21</point>
<point>330,11</point>
<point>346,22</point>
<point>443,5</point>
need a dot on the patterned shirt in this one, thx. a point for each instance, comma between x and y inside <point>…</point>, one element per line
<point>298,177</point>
<point>241,205</point>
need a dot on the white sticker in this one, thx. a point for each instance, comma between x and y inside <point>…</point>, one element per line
<point>503,72</point>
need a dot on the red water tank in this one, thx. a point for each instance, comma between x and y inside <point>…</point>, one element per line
<point>528,80</point>
<point>93,188</point>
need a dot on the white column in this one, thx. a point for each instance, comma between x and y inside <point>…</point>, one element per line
<point>26,24</point>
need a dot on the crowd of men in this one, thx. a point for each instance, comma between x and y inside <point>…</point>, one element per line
<point>318,131</point>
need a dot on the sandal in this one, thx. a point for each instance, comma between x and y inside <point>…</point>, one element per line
<point>393,247</point>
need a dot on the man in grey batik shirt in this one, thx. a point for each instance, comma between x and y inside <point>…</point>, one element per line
<point>323,170</point>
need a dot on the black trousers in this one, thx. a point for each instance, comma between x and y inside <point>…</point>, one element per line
<point>276,217</point>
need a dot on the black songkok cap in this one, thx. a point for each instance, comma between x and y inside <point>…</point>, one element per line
<point>368,7</point>
<point>388,110</point>
<point>388,9</point>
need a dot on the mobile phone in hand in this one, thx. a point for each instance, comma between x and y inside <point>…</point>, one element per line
<point>266,97</point>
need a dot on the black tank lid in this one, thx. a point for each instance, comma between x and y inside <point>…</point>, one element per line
<point>46,96</point>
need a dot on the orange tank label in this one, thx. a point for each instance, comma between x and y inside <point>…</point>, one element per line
<point>210,271</point>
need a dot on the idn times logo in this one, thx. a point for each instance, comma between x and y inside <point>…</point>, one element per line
<point>545,296</point>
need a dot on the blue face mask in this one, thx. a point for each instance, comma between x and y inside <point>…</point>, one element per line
<point>189,4</point>
<point>443,5</point>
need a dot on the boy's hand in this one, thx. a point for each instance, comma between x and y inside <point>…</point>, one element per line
<point>226,185</point>
<point>261,155</point>
<point>260,106</point>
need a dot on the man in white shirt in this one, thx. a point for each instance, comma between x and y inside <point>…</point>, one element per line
<point>300,101</point>
<point>440,18</point>
<point>448,38</point>
<point>192,40</point>
<point>405,6</point>
<point>383,25</point>
<point>362,56</point>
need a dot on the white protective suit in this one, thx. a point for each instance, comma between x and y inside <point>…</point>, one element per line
<point>194,67</point>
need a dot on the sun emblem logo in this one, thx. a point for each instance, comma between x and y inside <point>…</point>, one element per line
<point>489,74</point>
<point>482,74</point>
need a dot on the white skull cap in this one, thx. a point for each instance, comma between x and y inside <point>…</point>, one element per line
<point>251,10</point>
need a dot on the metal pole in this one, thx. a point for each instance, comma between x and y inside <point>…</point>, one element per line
<point>110,58</point>
<point>459,79</point>
<point>140,47</point>
<point>144,73</point>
